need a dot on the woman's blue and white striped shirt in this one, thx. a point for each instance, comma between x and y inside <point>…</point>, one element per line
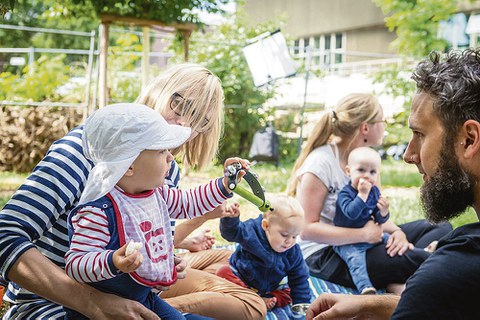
<point>36,216</point>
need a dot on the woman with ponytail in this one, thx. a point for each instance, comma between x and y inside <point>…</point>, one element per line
<point>319,174</point>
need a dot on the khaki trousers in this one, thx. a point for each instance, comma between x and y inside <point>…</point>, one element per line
<point>203,293</point>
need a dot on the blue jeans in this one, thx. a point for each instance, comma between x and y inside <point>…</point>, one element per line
<point>154,303</point>
<point>355,256</point>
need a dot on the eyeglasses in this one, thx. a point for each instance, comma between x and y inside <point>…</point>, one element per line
<point>179,106</point>
<point>203,126</point>
<point>384,121</point>
<point>177,103</point>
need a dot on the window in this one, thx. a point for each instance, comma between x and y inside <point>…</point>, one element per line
<point>326,49</point>
<point>326,58</point>
<point>316,51</point>
<point>296,46</point>
<point>338,47</point>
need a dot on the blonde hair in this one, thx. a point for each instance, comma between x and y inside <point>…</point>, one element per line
<point>204,92</point>
<point>284,207</point>
<point>343,122</point>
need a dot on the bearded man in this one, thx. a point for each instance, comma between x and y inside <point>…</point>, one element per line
<point>445,147</point>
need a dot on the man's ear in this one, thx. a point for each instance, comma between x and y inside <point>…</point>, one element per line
<point>129,172</point>
<point>264,224</point>
<point>470,138</point>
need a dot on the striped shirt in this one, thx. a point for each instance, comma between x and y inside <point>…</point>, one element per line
<point>89,259</point>
<point>36,217</point>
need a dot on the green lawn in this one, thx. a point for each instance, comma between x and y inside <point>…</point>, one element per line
<point>400,183</point>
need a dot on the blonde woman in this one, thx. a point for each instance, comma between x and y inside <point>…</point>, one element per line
<point>319,174</point>
<point>34,237</point>
<point>189,94</point>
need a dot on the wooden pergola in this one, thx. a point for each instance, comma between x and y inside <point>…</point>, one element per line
<point>146,24</point>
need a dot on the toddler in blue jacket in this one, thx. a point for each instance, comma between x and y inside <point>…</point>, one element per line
<point>357,203</point>
<point>267,253</point>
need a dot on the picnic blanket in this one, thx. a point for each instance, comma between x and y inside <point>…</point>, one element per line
<point>317,287</point>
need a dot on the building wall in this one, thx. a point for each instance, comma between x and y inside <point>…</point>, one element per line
<point>369,40</point>
<point>360,20</point>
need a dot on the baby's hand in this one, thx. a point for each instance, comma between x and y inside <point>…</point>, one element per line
<point>383,205</point>
<point>128,262</point>
<point>243,162</point>
<point>364,187</point>
<point>131,247</point>
<point>233,210</point>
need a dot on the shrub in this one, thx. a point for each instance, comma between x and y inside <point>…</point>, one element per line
<point>27,133</point>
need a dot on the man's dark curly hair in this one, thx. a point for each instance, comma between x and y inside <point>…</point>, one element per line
<point>454,82</point>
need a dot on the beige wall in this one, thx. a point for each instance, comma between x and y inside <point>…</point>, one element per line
<point>371,40</point>
<point>316,16</point>
<point>360,21</point>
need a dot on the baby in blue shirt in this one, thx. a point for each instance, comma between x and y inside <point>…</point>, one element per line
<point>359,202</point>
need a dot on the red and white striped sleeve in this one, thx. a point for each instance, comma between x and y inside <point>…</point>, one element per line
<point>187,204</point>
<point>87,260</point>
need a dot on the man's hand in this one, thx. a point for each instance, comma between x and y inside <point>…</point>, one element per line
<point>109,306</point>
<point>397,243</point>
<point>346,306</point>
<point>199,241</point>
<point>334,306</point>
<point>180,265</point>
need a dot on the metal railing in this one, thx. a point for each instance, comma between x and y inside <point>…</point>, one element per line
<point>90,52</point>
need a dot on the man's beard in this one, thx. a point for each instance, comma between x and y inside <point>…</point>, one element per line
<point>449,192</point>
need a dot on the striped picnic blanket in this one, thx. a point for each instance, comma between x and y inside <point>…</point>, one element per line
<point>317,287</point>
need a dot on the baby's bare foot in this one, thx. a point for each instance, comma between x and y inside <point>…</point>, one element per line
<point>270,302</point>
<point>431,247</point>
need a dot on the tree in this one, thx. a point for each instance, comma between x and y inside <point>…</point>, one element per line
<point>6,6</point>
<point>48,14</point>
<point>220,50</point>
<point>179,11</point>
<point>416,23</point>
<point>84,15</point>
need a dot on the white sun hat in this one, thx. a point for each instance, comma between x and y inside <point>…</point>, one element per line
<point>114,136</point>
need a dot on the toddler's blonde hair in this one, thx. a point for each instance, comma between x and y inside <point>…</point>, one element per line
<point>284,207</point>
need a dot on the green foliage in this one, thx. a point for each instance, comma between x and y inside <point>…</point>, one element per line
<point>468,217</point>
<point>49,14</point>
<point>166,11</point>
<point>83,15</point>
<point>38,81</point>
<point>397,130</point>
<point>416,23</point>
<point>7,83</point>
<point>220,50</point>
<point>123,80</point>
<point>6,6</point>
<point>397,83</point>
<point>396,173</point>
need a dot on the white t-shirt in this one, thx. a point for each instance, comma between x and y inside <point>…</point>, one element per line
<point>324,164</point>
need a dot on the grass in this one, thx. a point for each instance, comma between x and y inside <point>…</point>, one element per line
<point>9,182</point>
<point>400,183</point>
<point>399,174</point>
